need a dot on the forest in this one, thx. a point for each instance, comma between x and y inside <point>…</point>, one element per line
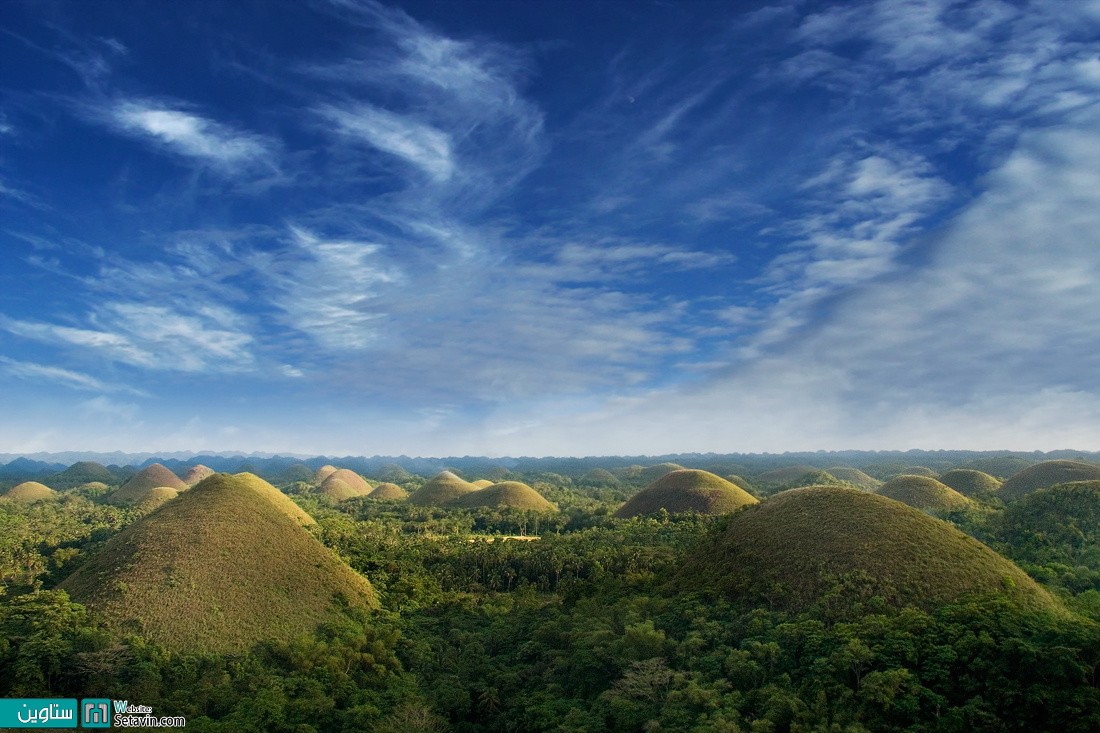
<point>498,618</point>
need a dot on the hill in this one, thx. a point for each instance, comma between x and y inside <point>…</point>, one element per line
<point>854,476</point>
<point>687,490</point>
<point>196,474</point>
<point>505,495</point>
<point>343,484</point>
<point>802,546</point>
<point>388,492</point>
<point>217,570</point>
<point>323,473</point>
<point>1046,474</point>
<point>29,491</point>
<point>739,481</point>
<point>999,466</point>
<point>924,493</point>
<point>917,471</point>
<point>783,476</point>
<point>969,482</point>
<point>80,473</point>
<point>652,473</point>
<point>1060,524</point>
<point>482,483</point>
<point>601,476</point>
<point>441,489</point>
<point>155,497</point>
<point>150,477</point>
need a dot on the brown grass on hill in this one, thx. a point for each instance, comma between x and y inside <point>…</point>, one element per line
<point>217,570</point>
<point>842,547</point>
<point>739,481</point>
<point>482,483</point>
<point>196,474</point>
<point>150,477</point>
<point>969,482</point>
<point>505,495</point>
<point>29,491</point>
<point>1046,474</point>
<point>687,490</point>
<point>924,493</point>
<point>441,489</point>
<point>854,476</point>
<point>156,497</point>
<point>343,484</point>
<point>323,473</point>
<point>388,492</point>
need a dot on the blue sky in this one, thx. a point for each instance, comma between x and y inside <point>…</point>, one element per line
<point>557,228</point>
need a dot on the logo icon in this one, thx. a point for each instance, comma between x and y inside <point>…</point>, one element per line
<point>95,713</point>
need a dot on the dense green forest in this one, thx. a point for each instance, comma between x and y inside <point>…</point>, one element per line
<point>593,626</point>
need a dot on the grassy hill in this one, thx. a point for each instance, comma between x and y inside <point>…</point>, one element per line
<point>150,477</point>
<point>441,489</point>
<point>1047,474</point>
<point>687,490</point>
<point>388,492</point>
<point>80,473</point>
<point>969,482</point>
<point>155,497</point>
<point>506,495</point>
<point>323,473</point>
<point>784,476</point>
<point>999,466</point>
<point>652,473</point>
<point>218,569</point>
<point>196,474</point>
<point>854,476</point>
<point>918,471</point>
<point>923,492</point>
<point>343,484</point>
<point>29,491</point>
<point>601,476</point>
<point>840,547</point>
<point>482,483</point>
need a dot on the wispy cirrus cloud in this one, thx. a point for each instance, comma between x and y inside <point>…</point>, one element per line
<point>419,144</point>
<point>59,375</point>
<point>173,127</point>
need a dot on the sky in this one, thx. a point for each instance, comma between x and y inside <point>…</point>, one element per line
<point>343,227</point>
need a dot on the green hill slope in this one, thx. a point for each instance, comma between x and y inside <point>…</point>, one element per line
<point>80,473</point>
<point>218,569</point>
<point>923,492</point>
<point>1046,474</point>
<point>505,495</point>
<point>150,477</point>
<point>854,476</point>
<point>799,547</point>
<point>441,489</point>
<point>29,491</point>
<point>388,492</point>
<point>687,490</point>
<point>969,482</point>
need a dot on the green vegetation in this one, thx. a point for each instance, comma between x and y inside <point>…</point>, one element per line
<point>442,489</point>
<point>80,473</point>
<point>1047,474</point>
<point>825,610</point>
<point>29,491</point>
<point>218,569</point>
<point>155,497</point>
<point>784,477</point>
<point>924,493</point>
<point>138,486</point>
<point>855,477</point>
<point>969,482</point>
<point>652,473</point>
<point>505,495</point>
<point>917,471</point>
<point>687,490</point>
<point>845,552</point>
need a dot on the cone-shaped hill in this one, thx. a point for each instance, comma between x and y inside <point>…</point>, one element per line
<point>652,473</point>
<point>441,489</point>
<point>850,545</point>
<point>323,473</point>
<point>150,477</point>
<point>196,474</point>
<point>687,490</point>
<point>1059,524</point>
<point>739,481</point>
<point>343,484</point>
<point>218,569</point>
<point>854,476</point>
<point>917,471</point>
<point>80,473</point>
<point>783,476</point>
<point>482,483</point>
<point>505,495</point>
<point>29,491</point>
<point>155,497</point>
<point>1046,474</point>
<point>601,476</point>
<point>388,492</point>
<point>924,493</point>
<point>969,482</point>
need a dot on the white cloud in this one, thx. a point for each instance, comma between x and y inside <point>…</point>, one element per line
<point>191,135</point>
<point>58,375</point>
<point>419,144</point>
